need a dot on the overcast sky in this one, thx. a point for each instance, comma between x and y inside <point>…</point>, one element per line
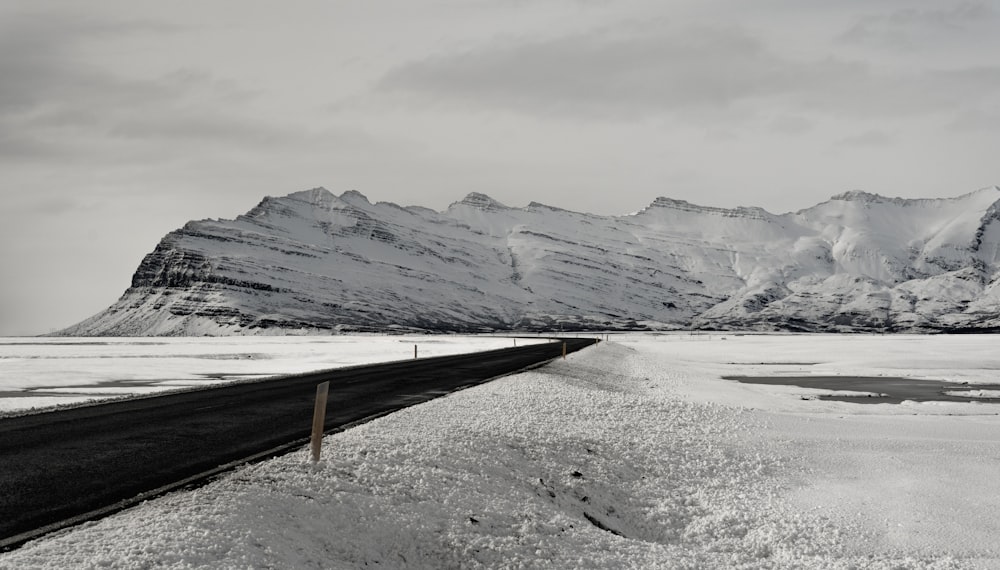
<point>122,120</point>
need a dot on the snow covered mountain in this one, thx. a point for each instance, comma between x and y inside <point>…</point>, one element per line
<point>313,262</point>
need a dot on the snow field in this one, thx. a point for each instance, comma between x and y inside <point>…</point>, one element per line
<point>916,479</point>
<point>700,360</point>
<point>605,460</point>
<point>46,372</point>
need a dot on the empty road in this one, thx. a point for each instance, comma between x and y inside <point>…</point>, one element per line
<point>59,467</point>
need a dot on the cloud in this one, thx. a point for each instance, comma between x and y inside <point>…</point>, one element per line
<point>872,138</point>
<point>60,100</point>
<point>720,75</point>
<point>977,120</point>
<point>39,61</point>
<point>611,72</point>
<point>791,125</point>
<point>911,27</point>
<point>47,87</point>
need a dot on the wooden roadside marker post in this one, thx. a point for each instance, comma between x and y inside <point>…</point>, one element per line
<point>414,351</point>
<point>319,417</point>
<point>564,351</point>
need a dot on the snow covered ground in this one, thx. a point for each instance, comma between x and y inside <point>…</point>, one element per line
<point>44,372</point>
<point>631,454</point>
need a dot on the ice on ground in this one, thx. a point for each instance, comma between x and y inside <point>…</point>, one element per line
<point>702,360</point>
<point>614,458</point>
<point>849,394</point>
<point>974,393</point>
<point>106,367</point>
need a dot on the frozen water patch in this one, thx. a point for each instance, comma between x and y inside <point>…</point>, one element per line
<point>127,367</point>
<point>842,394</point>
<point>992,394</point>
<point>103,390</point>
<point>896,390</point>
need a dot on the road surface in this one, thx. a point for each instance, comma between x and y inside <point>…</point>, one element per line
<point>62,467</point>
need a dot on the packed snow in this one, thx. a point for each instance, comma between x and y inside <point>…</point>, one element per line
<point>46,372</point>
<point>630,454</point>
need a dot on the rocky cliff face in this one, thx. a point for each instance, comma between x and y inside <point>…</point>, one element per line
<point>314,262</point>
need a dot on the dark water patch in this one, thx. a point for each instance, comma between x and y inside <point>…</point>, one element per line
<point>26,394</point>
<point>85,343</point>
<point>127,384</point>
<point>231,356</point>
<point>773,363</point>
<point>234,375</point>
<point>202,356</point>
<point>885,389</point>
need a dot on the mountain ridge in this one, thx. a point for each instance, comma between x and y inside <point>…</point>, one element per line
<point>314,262</point>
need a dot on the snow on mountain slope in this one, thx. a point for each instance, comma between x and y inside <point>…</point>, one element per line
<point>313,262</point>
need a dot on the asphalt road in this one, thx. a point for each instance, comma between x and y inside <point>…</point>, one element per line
<point>63,467</point>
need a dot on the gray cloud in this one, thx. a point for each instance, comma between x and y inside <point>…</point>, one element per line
<point>791,125</point>
<point>57,102</point>
<point>606,73</point>
<point>39,61</point>
<point>872,138</point>
<point>19,146</point>
<point>910,27</point>
<point>46,87</point>
<point>697,74</point>
<point>977,120</point>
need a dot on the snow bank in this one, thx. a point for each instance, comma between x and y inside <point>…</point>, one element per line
<point>604,460</point>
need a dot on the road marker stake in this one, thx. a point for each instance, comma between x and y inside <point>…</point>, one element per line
<point>564,351</point>
<point>319,417</point>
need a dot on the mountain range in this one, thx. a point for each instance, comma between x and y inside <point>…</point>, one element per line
<point>314,262</point>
